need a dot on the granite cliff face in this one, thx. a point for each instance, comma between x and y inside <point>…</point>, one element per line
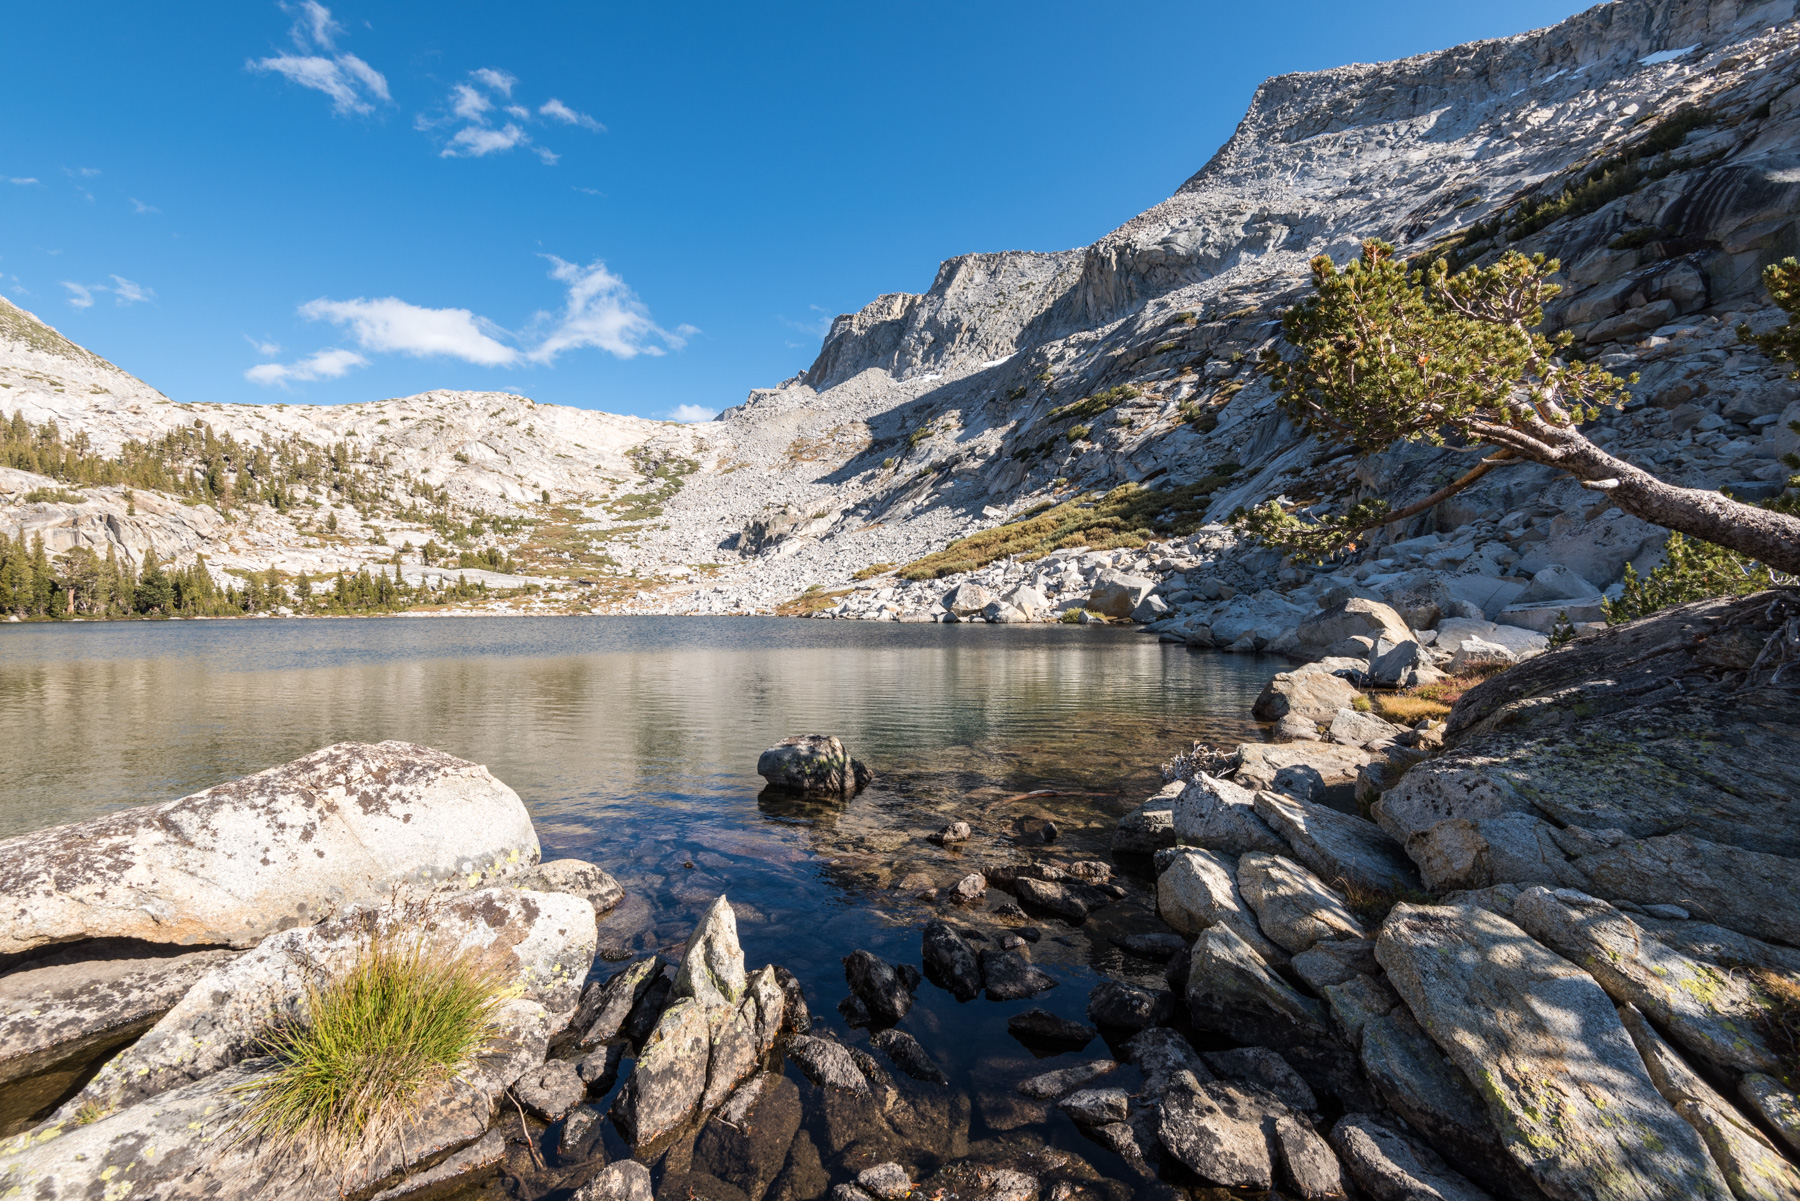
<point>1651,145</point>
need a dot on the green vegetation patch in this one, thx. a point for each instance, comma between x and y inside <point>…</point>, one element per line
<point>1093,406</point>
<point>1128,516</point>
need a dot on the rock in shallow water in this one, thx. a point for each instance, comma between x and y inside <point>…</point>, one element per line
<point>1127,1007</point>
<point>950,962</point>
<point>908,1055</point>
<point>1041,1025</point>
<point>878,986</point>
<point>551,1090</point>
<point>606,1006</point>
<point>812,763</point>
<point>346,825</point>
<point>1007,977</point>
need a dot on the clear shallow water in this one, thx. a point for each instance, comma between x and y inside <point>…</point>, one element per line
<point>633,742</point>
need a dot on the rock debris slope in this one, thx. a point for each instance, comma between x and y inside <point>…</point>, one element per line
<point>1652,146</point>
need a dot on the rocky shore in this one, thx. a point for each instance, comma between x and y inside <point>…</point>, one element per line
<point>1544,949</point>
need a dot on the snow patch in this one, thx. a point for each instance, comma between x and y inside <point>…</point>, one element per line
<point>1667,56</point>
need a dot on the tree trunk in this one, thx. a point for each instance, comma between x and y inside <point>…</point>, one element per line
<point>1770,538</point>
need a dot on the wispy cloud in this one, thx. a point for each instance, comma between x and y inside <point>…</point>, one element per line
<point>556,110</point>
<point>81,172</point>
<point>126,292</point>
<point>693,413</point>
<point>22,179</point>
<point>329,363</point>
<point>390,325</point>
<point>602,312</point>
<point>818,325</point>
<point>352,84</point>
<point>488,121</point>
<point>138,206</point>
<point>591,192</point>
<point>81,297</point>
<point>263,348</point>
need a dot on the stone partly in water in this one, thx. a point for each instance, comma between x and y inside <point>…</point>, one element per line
<point>878,986</point>
<point>718,1027</point>
<point>1388,1166</point>
<point>542,941</point>
<point>908,1055</point>
<point>1564,1084</point>
<point>1008,977</point>
<point>1231,990</point>
<point>950,962</point>
<point>812,763</point>
<point>286,847</point>
<point>579,878</point>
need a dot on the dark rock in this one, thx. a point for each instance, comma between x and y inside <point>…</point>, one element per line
<point>697,1186</point>
<point>484,1152</point>
<point>648,1010</point>
<point>1231,991</point>
<point>908,1055</point>
<point>1128,1007</point>
<point>600,1069</point>
<point>1132,1142</point>
<point>909,976</point>
<point>1261,1066</point>
<point>1007,977</point>
<point>827,1063</point>
<point>574,1141</point>
<point>1159,947</point>
<point>605,1008</point>
<point>1166,1061</point>
<point>1009,909</point>
<point>1040,1025</point>
<point>886,1181</point>
<point>1097,1106</point>
<point>954,832</point>
<point>814,763</point>
<point>949,961</point>
<point>1055,1084</point>
<point>1388,1166</point>
<point>746,1142</point>
<point>1029,933</point>
<point>799,1017</point>
<point>1240,1136</point>
<point>853,1011</point>
<point>1068,899</point>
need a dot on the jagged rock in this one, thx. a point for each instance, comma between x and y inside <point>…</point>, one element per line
<point>1266,1069</point>
<point>552,1090</point>
<point>1043,1026</point>
<point>1357,1001</point>
<point>1055,1084</point>
<point>970,890</point>
<point>600,1069</point>
<point>1117,595</point>
<point>1391,1167</point>
<point>606,1006</point>
<point>1350,728</point>
<point>887,1181</point>
<point>1560,1077</point>
<point>1097,1106</point>
<point>648,1011</point>
<point>621,1180</point>
<point>827,1063</point>
<point>1353,617</point>
<point>1777,1106</point>
<point>716,1029</point>
<point>1710,1010</point>
<point>746,1143</point>
<point>1238,1136</point>
<point>1338,847</point>
<point>64,1003</point>
<point>1403,666</point>
<point>1232,991</point>
<point>1324,773</point>
<point>577,877</point>
<point>1007,977</point>
<point>1198,890</point>
<point>877,986</point>
<point>1125,1006</point>
<point>1309,695</point>
<point>950,962</point>
<point>542,943</point>
<point>1335,960</point>
<point>908,1055</point>
<point>1293,907</point>
<point>812,763</point>
<point>1753,1168</point>
<point>343,826</point>
<point>1221,816</point>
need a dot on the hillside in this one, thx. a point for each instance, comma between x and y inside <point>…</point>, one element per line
<point>1652,146</point>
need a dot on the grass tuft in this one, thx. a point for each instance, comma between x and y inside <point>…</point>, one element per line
<point>375,1040</point>
<point>1408,709</point>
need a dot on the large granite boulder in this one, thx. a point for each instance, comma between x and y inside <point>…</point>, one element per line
<point>1310,695</point>
<point>1232,991</point>
<point>1340,847</point>
<point>1593,768</point>
<point>1117,594</point>
<point>812,763</point>
<point>286,847</point>
<point>1313,771</point>
<point>1197,890</point>
<point>541,943</point>
<point>1562,1080</point>
<point>1220,816</point>
<point>1331,631</point>
<point>1293,906</point>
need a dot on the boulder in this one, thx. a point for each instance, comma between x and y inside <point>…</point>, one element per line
<point>1775,1104</point>
<point>1350,728</point>
<point>1267,1070</point>
<point>1356,1002</point>
<point>1157,945</point>
<point>1350,618</point>
<point>621,1180</point>
<point>1752,1166</point>
<point>1557,583</point>
<point>1421,598</point>
<point>550,1090</point>
<point>950,962</point>
<point>827,1063</point>
<point>1266,615</point>
<point>1239,1136</point>
<point>908,1055</point>
<point>1117,595</point>
<point>542,943</point>
<point>1475,654</point>
<point>1321,772</point>
<point>1198,890</point>
<point>886,1181</point>
<point>1294,729</point>
<point>1231,991</point>
<point>1452,632</point>
<point>1008,977</point>
<point>1293,906</point>
<point>1402,666</point>
<point>812,763</point>
<point>1388,1166</point>
<point>877,986</point>
<point>1068,899</point>
<point>1713,1012</point>
<point>1221,816</point>
<point>1166,1061</point>
<point>1562,1080</point>
<point>1335,960</point>
<point>1340,848</point>
<point>606,1006</point>
<point>81,999</point>
<point>229,866</point>
<point>970,890</point>
<point>578,878</point>
<point>1120,1006</point>
<point>1146,828</point>
<point>1310,695</point>
<point>1097,1106</point>
<point>1063,1080</point>
<point>715,1032</point>
<point>1029,601</point>
<point>968,599</point>
<point>1040,1025</point>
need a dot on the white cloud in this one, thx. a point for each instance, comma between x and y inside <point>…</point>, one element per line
<point>496,81</point>
<point>263,348</point>
<point>81,297</point>
<point>818,326</point>
<point>519,111</point>
<point>559,111</point>
<point>138,206</point>
<point>83,172</point>
<point>353,85</point>
<point>389,324</point>
<point>469,103</point>
<point>27,179</point>
<point>329,363</point>
<point>603,312</point>
<point>127,292</point>
<point>549,157</point>
<point>474,141</point>
<point>590,191</point>
<point>693,413</point>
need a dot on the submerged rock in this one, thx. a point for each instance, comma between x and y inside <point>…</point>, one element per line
<point>286,847</point>
<point>1040,1025</point>
<point>950,962</point>
<point>1008,977</point>
<point>1063,1080</point>
<point>813,763</point>
<point>1122,1006</point>
<point>577,877</point>
<point>908,1055</point>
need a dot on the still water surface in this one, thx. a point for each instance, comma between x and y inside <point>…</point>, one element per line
<point>633,742</point>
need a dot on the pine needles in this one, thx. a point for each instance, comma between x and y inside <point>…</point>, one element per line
<point>375,1040</point>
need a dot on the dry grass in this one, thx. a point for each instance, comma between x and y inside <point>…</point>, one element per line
<point>1408,709</point>
<point>375,1039</point>
<point>1448,692</point>
<point>1780,1019</point>
<point>813,600</point>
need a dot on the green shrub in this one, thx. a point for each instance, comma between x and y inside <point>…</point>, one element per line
<point>375,1040</point>
<point>53,496</point>
<point>1693,570</point>
<point>1093,406</point>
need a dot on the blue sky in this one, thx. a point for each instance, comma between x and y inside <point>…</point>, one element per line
<point>643,208</point>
